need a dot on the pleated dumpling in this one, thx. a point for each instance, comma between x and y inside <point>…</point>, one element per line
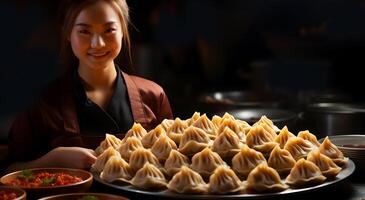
<point>283,137</point>
<point>233,125</point>
<point>101,160</point>
<point>140,156</point>
<point>281,160</point>
<point>264,179</point>
<point>228,116</point>
<point>328,168</point>
<point>261,140</point>
<point>193,118</point>
<point>187,181</point>
<point>150,138</point>
<point>309,136</point>
<point>205,162</point>
<point>329,149</point>
<point>109,141</point>
<point>205,124</point>
<point>224,180</point>
<point>246,160</point>
<point>193,140</point>
<point>227,144</point>
<point>162,147</point>
<point>149,177</point>
<point>304,173</point>
<point>137,131</point>
<point>267,124</point>
<point>175,161</point>
<point>176,131</point>
<point>128,146</point>
<point>116,169</point>
<point>244,126</point>
<point>217,120</point>
<point>298,147</point>
<point>166,124</point>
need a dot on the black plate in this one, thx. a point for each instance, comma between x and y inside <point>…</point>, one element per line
<point>345,172</point>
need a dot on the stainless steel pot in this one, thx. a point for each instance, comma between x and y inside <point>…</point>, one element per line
<point>220,101</point>
<point>279,117</point>
<point>325,119</point>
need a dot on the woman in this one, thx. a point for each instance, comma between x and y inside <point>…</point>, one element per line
<point>93,97</point>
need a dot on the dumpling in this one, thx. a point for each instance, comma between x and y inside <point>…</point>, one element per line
<point>281,160</point>
<point>150,138</point>
<point>304,173</point>
<point>99,164</point>
<point>227,144</point>
<point>267,124</point>
<point>140,156</point>
<point>331,150</point>
<point>244,126</point>
<point>130,145</point>
<point>283,137</point>
<point>176,131</point>
<point>193,118</point>
<point>246,160</point>
<point>116,169</point>
<point>261,140</point>
<point>187,181</point>
<point>149,177</point>
<point>205,162</point>
<point>193,140</point>
<point>217,120</point>
<point>228,116</point>
<point>162,147</point>
<point>233,125</point>
<point>109,141</point>
<point>166,124</point>
<point>205,124</point>
<point>137,131</point>
<point>265,179</point>
<point>224,180</point>
<point>309,136</point>
<point>298,147</point>
<point>328,168</point>
<point>175,161</point>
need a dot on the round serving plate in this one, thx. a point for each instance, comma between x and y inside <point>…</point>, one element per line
<point>167,194</point>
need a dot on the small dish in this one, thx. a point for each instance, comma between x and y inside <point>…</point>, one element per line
<point>19,193</point>
<point>85,196</point>
<point>47,188</point>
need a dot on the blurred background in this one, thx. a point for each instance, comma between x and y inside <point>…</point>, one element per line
<point>281,52</point>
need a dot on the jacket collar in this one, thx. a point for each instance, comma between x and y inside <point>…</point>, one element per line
<point>68,107</point>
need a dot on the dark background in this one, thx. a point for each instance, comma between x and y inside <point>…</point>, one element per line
<point>195,46</point>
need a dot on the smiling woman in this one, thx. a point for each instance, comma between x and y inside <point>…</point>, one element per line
<point>94,96</point>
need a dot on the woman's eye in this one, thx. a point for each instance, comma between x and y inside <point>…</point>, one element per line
<point>109,30</point>
<point>84,31</point>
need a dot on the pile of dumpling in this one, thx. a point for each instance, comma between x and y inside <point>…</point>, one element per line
<point>222,155</point>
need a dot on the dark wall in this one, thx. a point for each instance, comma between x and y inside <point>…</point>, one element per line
<point>194,46</point>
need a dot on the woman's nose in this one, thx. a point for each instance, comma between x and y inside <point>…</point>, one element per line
<point>97,41</point>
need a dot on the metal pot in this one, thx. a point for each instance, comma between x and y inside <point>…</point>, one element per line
<point>325,119</point>
<point>220,101</point>
<point>279,117</point>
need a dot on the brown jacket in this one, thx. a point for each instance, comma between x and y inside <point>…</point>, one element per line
<point>53,121</point>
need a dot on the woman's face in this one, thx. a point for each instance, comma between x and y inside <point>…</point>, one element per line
<point>96,37</point>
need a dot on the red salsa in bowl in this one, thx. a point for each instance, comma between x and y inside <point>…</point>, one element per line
<point>27,178</point>
<point>42,182</point>
<point>11,193</point>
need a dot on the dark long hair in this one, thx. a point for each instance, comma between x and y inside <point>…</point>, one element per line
<point>69,10</point>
